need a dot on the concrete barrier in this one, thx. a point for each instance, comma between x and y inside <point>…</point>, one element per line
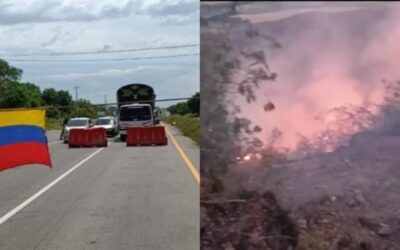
<point>92,137</point>
<point>146,136</point>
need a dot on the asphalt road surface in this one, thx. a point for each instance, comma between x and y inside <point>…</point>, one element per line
<point>112,198</point>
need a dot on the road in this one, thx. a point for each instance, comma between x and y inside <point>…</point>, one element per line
<point>120,198</point>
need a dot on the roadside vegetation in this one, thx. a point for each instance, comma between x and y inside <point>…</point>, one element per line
<point>187,124</point>
<point>54,123</point>
<point>186,117</point>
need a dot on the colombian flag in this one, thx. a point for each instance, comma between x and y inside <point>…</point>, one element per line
<point>23,138</point>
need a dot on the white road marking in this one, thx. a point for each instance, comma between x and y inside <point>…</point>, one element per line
<point>10,214</point>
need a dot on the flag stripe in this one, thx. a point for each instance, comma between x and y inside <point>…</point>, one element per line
<point>18,154</point>
<point>22,133</point>
<point>34,117</point>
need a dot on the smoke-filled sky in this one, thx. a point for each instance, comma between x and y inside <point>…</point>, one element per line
<point>328,59</point>
<point>54,26</point>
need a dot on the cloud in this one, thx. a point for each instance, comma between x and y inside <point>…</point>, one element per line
<point>166,8</point>
<point>173,11</point>
<point>40,11</point>
<point>56,35</point>
<point>106,47</point>
<point>16,12</point>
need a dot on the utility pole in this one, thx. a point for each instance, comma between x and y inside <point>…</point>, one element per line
<point>76,93</point>
<point>105,99</point>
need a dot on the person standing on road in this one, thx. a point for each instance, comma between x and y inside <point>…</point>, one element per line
<point>63,129</point>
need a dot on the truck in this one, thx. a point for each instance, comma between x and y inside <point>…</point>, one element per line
<point>136,107</point>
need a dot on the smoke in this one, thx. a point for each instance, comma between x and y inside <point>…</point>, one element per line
<point>330,65</point>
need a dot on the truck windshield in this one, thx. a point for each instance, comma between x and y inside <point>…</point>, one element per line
<point>135,113</point>
<point>103,122</point>
<point>77,123</point>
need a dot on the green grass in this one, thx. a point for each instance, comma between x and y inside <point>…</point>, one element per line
<point>54,123</point>
<point>188,125</point>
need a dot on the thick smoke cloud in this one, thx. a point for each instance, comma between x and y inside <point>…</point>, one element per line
<point>327,61</point>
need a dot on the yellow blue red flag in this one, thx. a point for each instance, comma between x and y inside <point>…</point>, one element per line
<point>23,138</point>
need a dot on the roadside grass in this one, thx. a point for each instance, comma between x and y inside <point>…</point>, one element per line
<point>188,125</point>
<point>54,123</point>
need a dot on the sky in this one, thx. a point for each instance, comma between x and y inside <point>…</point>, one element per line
<point>32,27</point>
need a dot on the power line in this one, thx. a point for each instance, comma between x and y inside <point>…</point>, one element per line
<point>103,52</point>
<point>103,60</point>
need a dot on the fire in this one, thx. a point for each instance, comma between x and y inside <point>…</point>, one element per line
<point>247,157</point>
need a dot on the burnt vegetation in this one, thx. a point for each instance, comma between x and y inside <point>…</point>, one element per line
<point>231,217</point>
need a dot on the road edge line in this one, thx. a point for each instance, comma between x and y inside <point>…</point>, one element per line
<point>21,206</point>
<point>185,158</point>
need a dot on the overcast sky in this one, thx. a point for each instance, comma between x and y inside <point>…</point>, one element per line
<point>53,26</point>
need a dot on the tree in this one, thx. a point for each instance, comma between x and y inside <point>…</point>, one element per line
<point>230,68</point>
<point>194,104</point>
<point>50,97</point>
<point>64,98</point>
<point>14,94</point>
<point>34,95</point>
<point>191,106</point>
<point>83,108</point>
<point>53,112</point>
<point>60,102</point>
<point>172,109</point>
<point>20,95</point>
<point>9,73</point>
<point>181,108</point>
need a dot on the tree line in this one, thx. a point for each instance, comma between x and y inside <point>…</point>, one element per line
<point>191,106</point>
<point>17,94</point>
